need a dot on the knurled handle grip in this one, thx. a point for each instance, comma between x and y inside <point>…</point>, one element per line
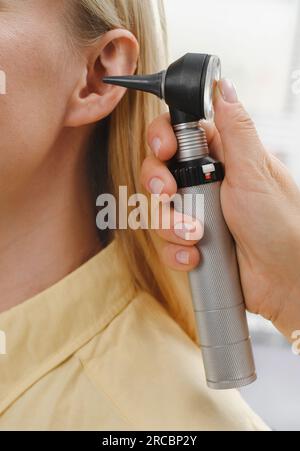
<point>217,296</point>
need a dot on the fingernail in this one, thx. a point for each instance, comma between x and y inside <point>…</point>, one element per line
<point>228,90</point>
<point>184,231</point>
<point>156,145</point>
<point>183,257</point>
<point>156,186</point>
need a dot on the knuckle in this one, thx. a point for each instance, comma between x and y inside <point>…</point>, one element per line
<point>276,171</point>
<point>155,125</point>
<point>241,118</point>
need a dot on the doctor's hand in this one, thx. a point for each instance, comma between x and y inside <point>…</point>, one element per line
<point>260,202</point>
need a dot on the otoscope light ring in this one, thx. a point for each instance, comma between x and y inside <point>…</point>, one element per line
<point>213,75</point>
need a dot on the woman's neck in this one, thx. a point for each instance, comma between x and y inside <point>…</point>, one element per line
<point>48,230</point>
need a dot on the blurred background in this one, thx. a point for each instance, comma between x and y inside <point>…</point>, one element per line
<point>258,42</point>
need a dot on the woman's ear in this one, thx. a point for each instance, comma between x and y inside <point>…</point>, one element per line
<point>115,53</point>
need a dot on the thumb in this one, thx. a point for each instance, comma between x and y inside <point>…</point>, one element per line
<point>242,146</point>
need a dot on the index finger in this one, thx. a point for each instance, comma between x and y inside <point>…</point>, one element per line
<point>162,139</point>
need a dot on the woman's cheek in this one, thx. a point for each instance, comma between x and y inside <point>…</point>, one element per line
<point>30,120</point>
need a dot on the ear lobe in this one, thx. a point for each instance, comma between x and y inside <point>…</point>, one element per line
<point>116,53</point>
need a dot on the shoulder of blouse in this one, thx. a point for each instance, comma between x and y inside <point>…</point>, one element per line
<point>154,374</point>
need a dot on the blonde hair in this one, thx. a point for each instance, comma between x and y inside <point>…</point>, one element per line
<point>125,131</point>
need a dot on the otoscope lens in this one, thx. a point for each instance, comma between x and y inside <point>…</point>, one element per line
<point>213,75</point>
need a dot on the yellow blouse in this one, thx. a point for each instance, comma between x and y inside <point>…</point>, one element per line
<point>90,353</point>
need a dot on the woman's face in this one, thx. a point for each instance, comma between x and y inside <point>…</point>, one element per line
<point>43,76</point>
<point>37,60</point>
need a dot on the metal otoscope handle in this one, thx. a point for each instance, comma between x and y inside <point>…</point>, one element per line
<point>215,284</point>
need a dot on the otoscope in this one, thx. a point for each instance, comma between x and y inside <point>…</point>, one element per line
<point>187,87</point>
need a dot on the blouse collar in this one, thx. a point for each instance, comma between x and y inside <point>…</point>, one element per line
<point>44,331</point>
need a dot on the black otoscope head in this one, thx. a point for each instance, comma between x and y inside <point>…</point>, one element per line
<point>187,86</point>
